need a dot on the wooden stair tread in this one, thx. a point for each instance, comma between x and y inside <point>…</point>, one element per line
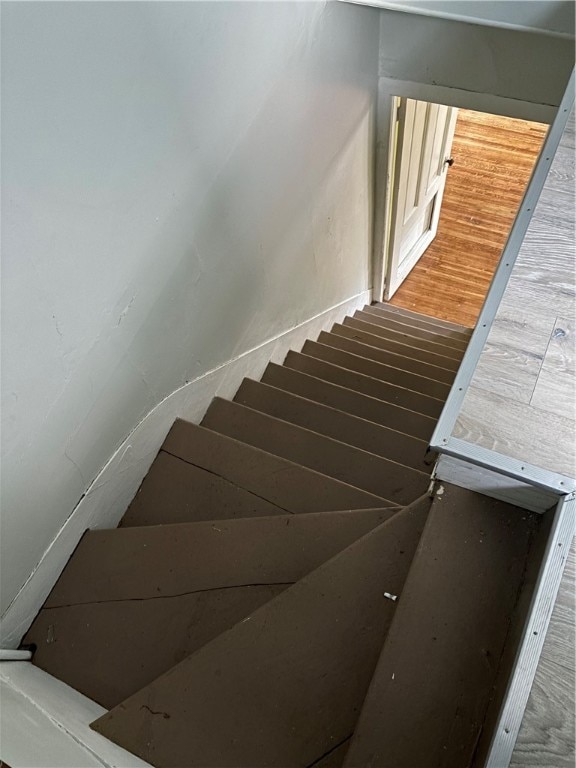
<point>368,385</point>
<point>349,401</point>
<point>431,689</point>
<point>368,334</point>
<point>405,325</point>
<point>107,642</point>
<point>284,686</point>
<point>347,343</point>
<point>419,316</point>
<point>421,322</point>
<point>395,332</point>
<point>392,482</point>
<point>175,491</point>
<point>131,601</point>
<point>290,486</point>
<point>377,370</point>
<point>334,423</point>
<point>334,758</point>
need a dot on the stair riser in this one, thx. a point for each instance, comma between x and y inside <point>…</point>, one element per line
<point>333,423</point>
<point>367,385</point>
<point>399,325</point>
<point>392,482</point>
<point>402,337</point>
<point>436,321</point>
<point>376,370</point>
<point>290,486</point>
<point>349,401</point>
<point>175,491</point>
<point>425,325</point>
<point>368,334</point>
<point>347,343</point>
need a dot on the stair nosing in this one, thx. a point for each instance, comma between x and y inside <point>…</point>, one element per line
<point>386,312</point>
<point>452,360</point>
<point>409,335</point>
<point>384,381</point>
<point>331,408</point>
<point>450,325</point>
<point>339,367</point>
<point>379,362</point>
<point>354,393</point>
<point>247,446</point>
<point>318,434</point>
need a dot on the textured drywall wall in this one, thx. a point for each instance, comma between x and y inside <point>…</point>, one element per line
<point>181,182</point>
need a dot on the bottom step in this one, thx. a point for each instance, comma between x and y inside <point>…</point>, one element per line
<point>284,686</point>
<point>132,602</point>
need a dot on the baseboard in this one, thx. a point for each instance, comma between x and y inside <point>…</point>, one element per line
<point>114,488</point>
<point>490,483</point>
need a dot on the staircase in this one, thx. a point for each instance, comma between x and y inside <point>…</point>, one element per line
<point>286,589</point>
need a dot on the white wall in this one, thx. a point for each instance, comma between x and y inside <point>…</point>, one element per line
<point>505,63</point>
<point>182,181</point>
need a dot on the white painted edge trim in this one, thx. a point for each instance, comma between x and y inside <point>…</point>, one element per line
<point>64,722</point>
<point>12,655</point>
<point>108,497</point>
<point>506,465</point>
<point>526,663</point>
<point>477,20</point>
<point>442,439</point>
<point>491,483</point>
<point>476,100</point>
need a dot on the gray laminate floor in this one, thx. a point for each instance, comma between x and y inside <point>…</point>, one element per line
<point>522,403</point>
<point>546,738</point>
<point>522,399</point>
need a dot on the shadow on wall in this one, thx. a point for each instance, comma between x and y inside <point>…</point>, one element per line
<point>184,182</point>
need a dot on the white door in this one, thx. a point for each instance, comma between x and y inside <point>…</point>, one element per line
<point>424,140</point>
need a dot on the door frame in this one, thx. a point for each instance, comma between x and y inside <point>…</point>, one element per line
<point>397,159</point>
<point>389,91</point>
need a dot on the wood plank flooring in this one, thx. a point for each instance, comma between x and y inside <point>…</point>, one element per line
<point>521,401</point>
<point>546,736</point>
<point>493,160</point>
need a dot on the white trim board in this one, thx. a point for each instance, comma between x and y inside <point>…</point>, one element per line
<point>526,663</point>
<point>46,724</point>
<point>469,13</point>
<point>492,483</point>
<point>114,488</point>
<point>475,100</point>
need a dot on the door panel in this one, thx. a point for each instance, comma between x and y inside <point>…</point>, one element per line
<point>425,133</point>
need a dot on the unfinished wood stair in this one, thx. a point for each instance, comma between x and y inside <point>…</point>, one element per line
<point>286,589</point>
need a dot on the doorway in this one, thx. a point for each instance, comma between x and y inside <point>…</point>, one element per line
<point>485,172</point>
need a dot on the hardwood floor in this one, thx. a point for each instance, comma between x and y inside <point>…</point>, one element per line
<point>493,160</point>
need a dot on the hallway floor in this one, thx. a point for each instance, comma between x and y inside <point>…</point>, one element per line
<point>493,160</point>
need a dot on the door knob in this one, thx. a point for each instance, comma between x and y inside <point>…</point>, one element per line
<point>449,161</point>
